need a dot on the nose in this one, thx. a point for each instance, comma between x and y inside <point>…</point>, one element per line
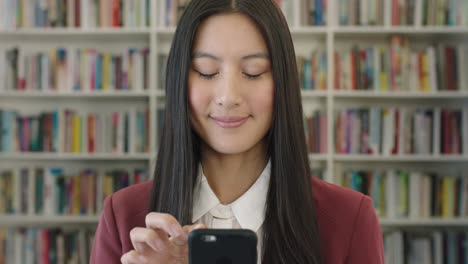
<point>228,94</point>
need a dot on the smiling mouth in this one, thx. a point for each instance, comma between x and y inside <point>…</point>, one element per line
<point>230,122</point>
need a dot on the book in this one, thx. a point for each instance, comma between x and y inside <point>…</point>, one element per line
<point>57,191</point>
<point>400,131</point>
<point>403,13</point>
<point>51,245</point>
<point>71,131</point>
<point>69,69</point>
<point>398,66</point>
<point>315,125</point>
<point>74,14</point>
<point>401,194</point>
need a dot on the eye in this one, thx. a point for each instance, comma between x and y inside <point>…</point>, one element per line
<point>250,76</point>
<point>206,76</point>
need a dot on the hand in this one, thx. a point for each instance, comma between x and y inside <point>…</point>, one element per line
<point>163,241</point>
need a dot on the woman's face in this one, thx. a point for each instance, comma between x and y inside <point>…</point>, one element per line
<point>230,84</point>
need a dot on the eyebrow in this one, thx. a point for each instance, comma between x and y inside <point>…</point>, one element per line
<point>257,55</point>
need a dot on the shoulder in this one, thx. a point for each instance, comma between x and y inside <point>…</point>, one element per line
<point>346,217</point>
<point>122,211</point>
<point>132,201</point>
<point>333,200</point>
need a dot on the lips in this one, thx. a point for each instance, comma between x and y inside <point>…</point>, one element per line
<point>229,121</point>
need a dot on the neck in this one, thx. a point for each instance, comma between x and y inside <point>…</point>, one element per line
<point>231,175</point>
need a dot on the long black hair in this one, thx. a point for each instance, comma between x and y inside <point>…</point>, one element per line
<point>290,232</point>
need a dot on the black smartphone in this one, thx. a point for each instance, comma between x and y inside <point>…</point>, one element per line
<point>222,246</point>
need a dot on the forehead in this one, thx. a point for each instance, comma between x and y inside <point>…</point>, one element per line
<point>226,35</point>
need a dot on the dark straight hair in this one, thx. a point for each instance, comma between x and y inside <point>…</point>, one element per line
<point>290,231</point>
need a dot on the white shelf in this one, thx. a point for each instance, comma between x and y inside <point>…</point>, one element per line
<point>412,222</point>
<point>416,30</point>
<point>400,158</point>
<point>309,30</point>
<point>401,94</point>
<point>413,30</point>
<point>294,30</point>
<point>35,220</point>
<point>73,156</point>
<point>313,93</point>
<point>160,93</point>
<point>75,31</point>
<point>60,94</point>
<point>305,93</point>
<point>317,157</point>
<point>166,30</point>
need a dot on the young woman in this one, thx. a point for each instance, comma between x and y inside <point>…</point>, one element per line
<point>233,153</point>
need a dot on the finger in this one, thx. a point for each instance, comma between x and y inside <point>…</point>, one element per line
<point>181,246</point>
<point>178,246</point>
<point>133,257</point>
<point>166,222</point>
<point>145,240</point>
<point>187,229</point>
<point>194,227</point>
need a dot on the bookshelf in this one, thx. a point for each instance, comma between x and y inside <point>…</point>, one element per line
<point>157,36</point>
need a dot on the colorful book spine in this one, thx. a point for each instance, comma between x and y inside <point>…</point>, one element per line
<point>416,194</point>
<point>73,69</point>
<point>69,131</point>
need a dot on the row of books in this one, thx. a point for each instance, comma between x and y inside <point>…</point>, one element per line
<point>430,12</point>
<point>170,12</point>
<point>314,12</point>
<point>361,12</point>
<point>56,191</point>
<point>313,71</point>
<point>397,67</point>
<point>73,131</point>
<point>316,131</point>
<point>393,131</point>
<point>74,13</point>
<point>416,247</point>
<point>33,245</point>
<point>45,246</point>
<point>73,69</point>
<point>413,194</point>
<point>401,13</point>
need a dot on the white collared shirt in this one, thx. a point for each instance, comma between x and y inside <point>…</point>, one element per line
<point>247,212</point>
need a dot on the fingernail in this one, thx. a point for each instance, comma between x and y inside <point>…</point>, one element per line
<point>141,258</point>
<point>176,230</point>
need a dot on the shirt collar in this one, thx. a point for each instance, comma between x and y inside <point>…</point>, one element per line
<point>249,209</point>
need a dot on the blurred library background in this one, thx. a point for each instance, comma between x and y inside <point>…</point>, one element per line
<point>385,96</point>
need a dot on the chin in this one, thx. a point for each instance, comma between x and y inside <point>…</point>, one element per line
<point>231,148</point>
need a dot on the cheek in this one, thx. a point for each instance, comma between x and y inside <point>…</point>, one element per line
<point>199,101</point>
<point>262,101</point>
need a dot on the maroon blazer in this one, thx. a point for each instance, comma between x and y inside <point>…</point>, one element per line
<point>349,229</point>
